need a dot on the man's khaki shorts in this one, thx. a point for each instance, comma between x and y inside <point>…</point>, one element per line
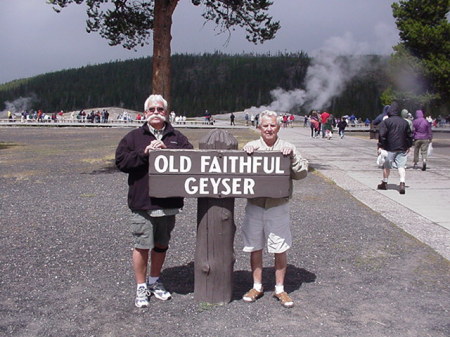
<point>148,230</point>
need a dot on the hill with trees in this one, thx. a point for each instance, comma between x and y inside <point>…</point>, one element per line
<point>219,83</point>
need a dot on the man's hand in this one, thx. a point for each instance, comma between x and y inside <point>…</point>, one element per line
<point>287,151</point>
<point>155,144</point>
<point>250,149</point>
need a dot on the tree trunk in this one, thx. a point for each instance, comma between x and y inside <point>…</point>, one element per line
<point>162,38</point>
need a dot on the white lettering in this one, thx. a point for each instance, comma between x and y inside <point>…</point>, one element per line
<point>215,184</point>
<point>185,164</point>
<point>225,165</point>
<point>158,163</point>
<point>272,165</point>
<point>203,185</point>
<point>245,164</point>
<point>236,185</point>
<point>226,186</point>
<point>248,186</point>
<point>204,161</point>
<point>278,166</point>
<point>233,160</point>
<point>172,167</point>
<point>188,188</point>
<point>215,166</point>
<point>256,164</point>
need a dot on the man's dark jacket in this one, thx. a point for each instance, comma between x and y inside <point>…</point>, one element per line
<point>130,158</point>
<point>394,132</point>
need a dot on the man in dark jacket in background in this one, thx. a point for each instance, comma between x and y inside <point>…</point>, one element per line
<point>152,219</point>
<point>381,116</point>
<point>396,138</point>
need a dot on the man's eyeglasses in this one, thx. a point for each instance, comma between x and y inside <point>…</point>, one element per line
<point>152,109</point>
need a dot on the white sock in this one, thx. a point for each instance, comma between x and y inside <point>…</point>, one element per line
<point>139,285</point>
<point>257,286</point>
<point>385,180</point>
<point>152,280</point>
<point>279,289</point>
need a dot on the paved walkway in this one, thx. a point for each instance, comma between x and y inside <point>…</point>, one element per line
<point>424,211</point>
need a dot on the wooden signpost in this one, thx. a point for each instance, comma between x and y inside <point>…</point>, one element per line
<point>216,174</point>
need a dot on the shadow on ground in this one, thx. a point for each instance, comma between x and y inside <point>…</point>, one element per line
<point>242,279</point>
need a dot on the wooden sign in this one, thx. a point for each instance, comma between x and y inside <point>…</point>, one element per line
<point>218,174</point>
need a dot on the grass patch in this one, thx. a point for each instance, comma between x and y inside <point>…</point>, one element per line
<point>204,306</point>
<point>88,195</point>
<point>7,145</point>
<point>107,158</point>
<point>24,175</point>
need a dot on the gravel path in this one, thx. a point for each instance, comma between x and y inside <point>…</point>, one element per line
<point>65,257</point>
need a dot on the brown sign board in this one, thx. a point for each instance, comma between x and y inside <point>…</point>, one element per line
<point>218,174</point>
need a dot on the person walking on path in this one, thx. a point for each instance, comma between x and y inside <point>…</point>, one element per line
<point>328,127</point>
<point>382,116</point>
<point>314,124</point>
<point>323,120</point>
<point>152,219</point>
<point>267,220</point>
<point>341,126</point>
<point>232,117</point>
<point>395,137</point>
<point>423,137</point>
<point>406,116</point>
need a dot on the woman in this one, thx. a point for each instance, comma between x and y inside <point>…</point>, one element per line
<point>422,138</point>
<point>328,127</point>
<point>314,124</point>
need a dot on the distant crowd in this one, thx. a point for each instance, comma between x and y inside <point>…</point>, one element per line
<point>315,119</point>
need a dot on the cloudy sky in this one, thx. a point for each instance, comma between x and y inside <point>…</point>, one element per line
<point>35,39</point>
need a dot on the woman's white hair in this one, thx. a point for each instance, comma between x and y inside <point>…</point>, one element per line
<point>152,99</point>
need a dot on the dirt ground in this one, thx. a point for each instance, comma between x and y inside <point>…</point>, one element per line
<point>65,253</point>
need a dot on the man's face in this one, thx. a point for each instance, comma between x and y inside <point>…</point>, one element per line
<point>269,129</point>
<point>155,114</point>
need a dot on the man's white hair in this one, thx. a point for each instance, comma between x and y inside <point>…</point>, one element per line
<point>152,99</point>
<point>268,113</point>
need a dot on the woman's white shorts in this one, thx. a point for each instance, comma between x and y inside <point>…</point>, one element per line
<point>271,226</point>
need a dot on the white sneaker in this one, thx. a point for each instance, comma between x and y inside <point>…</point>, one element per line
<point>141,297</point>
<point>159,291</point>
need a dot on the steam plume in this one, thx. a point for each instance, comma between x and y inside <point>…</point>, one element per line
<point>326,77</point>
<point>20,104</point>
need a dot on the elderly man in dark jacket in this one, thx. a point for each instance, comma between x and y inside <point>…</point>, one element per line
<point>152,219</point>
<point>396,138</point>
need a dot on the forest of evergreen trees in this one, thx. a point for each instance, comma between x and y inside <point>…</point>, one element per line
<point>217,82</point>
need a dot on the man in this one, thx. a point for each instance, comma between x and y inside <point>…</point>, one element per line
<point>232,117</point>
<point>395,137</point>
<point>341,126</point>
<point>152,219</point>
<point>323,120</point>
<point>267,220</point>
<point>382,116</point>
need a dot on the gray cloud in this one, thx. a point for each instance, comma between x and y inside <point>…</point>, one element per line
<point>36,40</point>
